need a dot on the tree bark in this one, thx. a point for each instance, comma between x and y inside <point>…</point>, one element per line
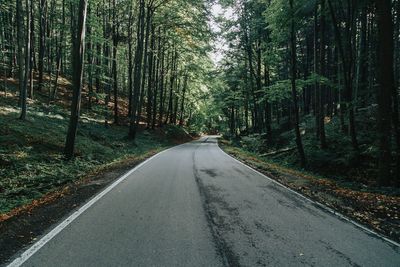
<point>20,44</point>
<point>42,40</point>
<point>294,93</point>
<point>385,81</point>
<point>322,88</point>
<point>137,70</point>
<point>114,63</point>
<point>24,91</point>
<point>77,59</point>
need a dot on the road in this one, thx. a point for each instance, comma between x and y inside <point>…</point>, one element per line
<point>193,205</point>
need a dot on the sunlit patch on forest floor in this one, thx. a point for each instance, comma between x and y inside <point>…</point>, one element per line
<point>378,208</point>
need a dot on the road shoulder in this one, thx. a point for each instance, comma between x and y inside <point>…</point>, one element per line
<point>32,221</point>
<point>375,211</point>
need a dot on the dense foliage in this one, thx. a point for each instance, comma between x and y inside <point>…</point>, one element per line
<point>145,61</point>
<point>321,76</point>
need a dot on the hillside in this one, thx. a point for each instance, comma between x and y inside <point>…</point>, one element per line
<point>31,154</point>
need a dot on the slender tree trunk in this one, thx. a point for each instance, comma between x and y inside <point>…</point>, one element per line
<point>145,63</point>
<point>322,88</point>
<point>89,70</point>
<point>176,102</point>
<point>99,62</point>
<point>20,44</point>
<point>42,39</point>
<point>162,83</point>
<point>114,63</point>
<point>59,54</point>
<point>24,91</point>
<point>259,84</point>
<point>150,80</point>
<point>362,63</point>
<point>160,61</point>
<point>317,91</point>
<point>172,82</point>
<point>185,84</point>
<point>294,93</point>
<point>32,50</point>
<point>130,63</point>
<point>268,117</point>
<point>107,62</point>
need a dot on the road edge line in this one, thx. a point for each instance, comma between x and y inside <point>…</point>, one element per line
<point>56,230</point>
<point>324,207</point>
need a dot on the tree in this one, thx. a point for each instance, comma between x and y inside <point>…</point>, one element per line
<point>78,41</point>
<point>24,89</point>
<point>20,55</point>
<point>294,92</point>
<point>42,39</point>
<point>386,83</point>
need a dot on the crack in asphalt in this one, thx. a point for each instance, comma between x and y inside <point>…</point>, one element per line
<point>224,250</point>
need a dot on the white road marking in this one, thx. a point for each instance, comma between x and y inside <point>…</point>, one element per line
<point>39,244</point>
<point>324,207</point>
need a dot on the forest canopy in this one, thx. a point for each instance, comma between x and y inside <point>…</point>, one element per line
<point>318,75</point>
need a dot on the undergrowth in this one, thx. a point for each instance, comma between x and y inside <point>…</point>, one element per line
<point>31,159</point>
<point>338,161</point>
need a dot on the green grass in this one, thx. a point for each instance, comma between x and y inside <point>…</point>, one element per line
<point>31,159</point>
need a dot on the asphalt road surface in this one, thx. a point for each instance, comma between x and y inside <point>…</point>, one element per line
<point>193,205</point>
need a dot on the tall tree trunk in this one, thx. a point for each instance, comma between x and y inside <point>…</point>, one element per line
<point>150,80</point>
<point>395,92</point>
<point>149,15</point>
<point>59,54</point>
<point>176,102</point>
<point>77,59</point>
<point>160,60</point>
<point>99,61</point>
<point>322,88</point>
<point>114,63</point>
<point>32,50</point>
<point>137,70</point>
<point>24,91</point>
<point>259,84</point>
<point>90,56</point>
<point>362,63</point>
<point>20,44</point>
<point>172,82</point>
<point>162,83</point>
<point>268,116</point>
<point>317,91</point>
<point>130,62</point>
<point>107,62</point>
<point>42,39</point>
<point>294,93</point>
<point>185,84</point>
<point>385,81</point>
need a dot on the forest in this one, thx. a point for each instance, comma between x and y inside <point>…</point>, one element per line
<point>318,76</point>
<point>80,79</point>
<point>311,85</point>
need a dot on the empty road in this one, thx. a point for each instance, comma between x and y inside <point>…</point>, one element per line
<point>193,205</point>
